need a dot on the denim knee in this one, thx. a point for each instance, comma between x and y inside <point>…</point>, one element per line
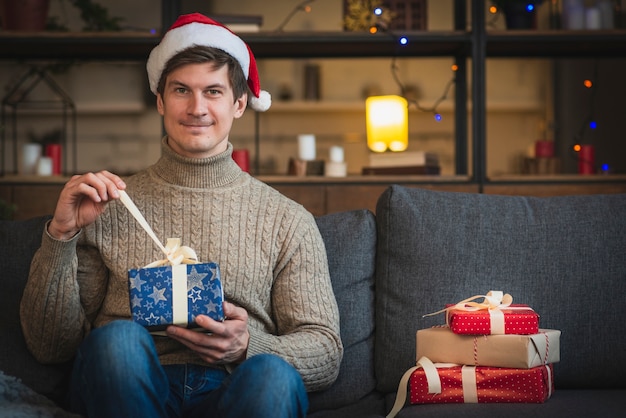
<point>117,344</point>
<point>272,385</point>
<point>117,373</point>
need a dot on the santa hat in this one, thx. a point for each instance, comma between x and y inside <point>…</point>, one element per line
<point>197,29</point>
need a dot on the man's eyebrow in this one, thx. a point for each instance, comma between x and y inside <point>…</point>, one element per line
<point>177,83</point>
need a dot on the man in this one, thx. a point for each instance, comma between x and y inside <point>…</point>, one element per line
<point>281,333</point>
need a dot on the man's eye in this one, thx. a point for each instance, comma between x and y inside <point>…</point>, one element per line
<point>180,90</point>
<point>213,92</point>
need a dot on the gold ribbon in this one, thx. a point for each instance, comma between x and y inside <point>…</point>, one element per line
<point>494,299</point>
<point>176,254</point>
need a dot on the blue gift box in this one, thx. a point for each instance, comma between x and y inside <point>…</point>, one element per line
<point>162,296</point>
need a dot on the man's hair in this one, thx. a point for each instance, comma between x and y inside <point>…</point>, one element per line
<point>204,54</point>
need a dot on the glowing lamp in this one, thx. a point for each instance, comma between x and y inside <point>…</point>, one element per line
<point>387,123</point>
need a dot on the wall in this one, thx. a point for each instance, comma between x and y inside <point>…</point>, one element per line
<point>118,128</point>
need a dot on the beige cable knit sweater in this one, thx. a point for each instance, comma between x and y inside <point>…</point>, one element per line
<point>271,255</point>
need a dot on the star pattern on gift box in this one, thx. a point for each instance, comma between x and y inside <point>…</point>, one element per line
<point>136,282</point>
<point>194,279</point>
<point>157,294</point>
<point>151,294</point>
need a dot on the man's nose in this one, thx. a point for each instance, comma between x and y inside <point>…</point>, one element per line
<point>197,105</point>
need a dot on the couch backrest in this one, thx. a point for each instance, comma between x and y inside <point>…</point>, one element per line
<point>350,239</point>
<point>18,242</point>
<point>564,256</point>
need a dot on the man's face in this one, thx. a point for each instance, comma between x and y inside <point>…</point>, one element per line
<point>198,109</point>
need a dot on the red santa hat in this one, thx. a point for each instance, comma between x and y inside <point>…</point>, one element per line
<point>197,29</point>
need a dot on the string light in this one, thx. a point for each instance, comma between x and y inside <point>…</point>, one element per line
<point>403,41</point>
<point>588,124</point>
<point>301,7</point>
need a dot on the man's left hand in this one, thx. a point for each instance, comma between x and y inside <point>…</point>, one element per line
<point>223,343</point>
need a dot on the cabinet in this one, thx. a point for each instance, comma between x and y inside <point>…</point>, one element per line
<point>469,44</point>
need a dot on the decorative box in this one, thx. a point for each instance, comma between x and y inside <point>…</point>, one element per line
<point>514,319</point>
<point>431,383</point>
<point>175,295</point>
<point>441,345</point>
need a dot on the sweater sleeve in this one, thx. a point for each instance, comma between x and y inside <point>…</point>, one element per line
<point>305,310</point>
<point>55,309</point>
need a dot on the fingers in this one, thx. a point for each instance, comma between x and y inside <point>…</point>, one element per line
<point>99,187</point>
<point>232,311</point>
<point>82,201</point>
<point>226,342</point>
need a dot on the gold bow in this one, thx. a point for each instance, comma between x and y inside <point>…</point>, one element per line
<point>176,254</point>
<point>494,299</point>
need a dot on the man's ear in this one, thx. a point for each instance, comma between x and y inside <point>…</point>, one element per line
<point>240,105</point>
<point>160,104</point>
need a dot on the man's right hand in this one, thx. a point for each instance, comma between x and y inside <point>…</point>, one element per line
<point>82,200</point>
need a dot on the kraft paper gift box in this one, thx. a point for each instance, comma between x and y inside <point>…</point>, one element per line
<point>166,295</point>
<point>433,383</point>
<point>441,345</point>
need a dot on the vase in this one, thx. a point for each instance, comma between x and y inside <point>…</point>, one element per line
<point>24,15</point>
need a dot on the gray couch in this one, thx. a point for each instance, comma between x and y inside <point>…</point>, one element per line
<point>564,256</point>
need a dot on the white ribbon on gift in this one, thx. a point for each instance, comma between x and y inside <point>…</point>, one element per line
<point>180,302</point>
<point>174,252</point>
<point>493,302</point>
<point>432,378</point>
<point>177,255</point>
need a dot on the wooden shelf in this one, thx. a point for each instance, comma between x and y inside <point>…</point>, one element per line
<point>556,43</point>
<point>137,45</point>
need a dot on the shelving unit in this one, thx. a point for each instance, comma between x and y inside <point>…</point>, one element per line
<point>470,48</point>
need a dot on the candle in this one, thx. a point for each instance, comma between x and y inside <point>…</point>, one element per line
<point>306,147</point>
<point>44,166</point>
<point>30,156</point>
<point>586,160</point>
<point>54,152</point>
<point>336,154</point>
<point>242,158</point>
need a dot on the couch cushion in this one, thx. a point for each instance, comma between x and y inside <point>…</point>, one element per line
<point>564,256</point>
<point>350,239</point>
<point>18,242</point>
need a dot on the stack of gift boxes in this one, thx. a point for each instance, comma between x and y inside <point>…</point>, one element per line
<point>487,352</point>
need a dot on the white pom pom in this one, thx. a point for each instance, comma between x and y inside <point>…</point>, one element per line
<point>261,103</point>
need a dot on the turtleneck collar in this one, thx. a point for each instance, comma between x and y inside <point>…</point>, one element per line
<point>199,173</point>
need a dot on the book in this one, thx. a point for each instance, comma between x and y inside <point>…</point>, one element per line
<point>404,159</point>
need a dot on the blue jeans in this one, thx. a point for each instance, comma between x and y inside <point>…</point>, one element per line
<point>117,373</point>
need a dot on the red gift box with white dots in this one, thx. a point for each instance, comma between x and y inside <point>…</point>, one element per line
<point>518,319</point>
<point>487,385</point>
